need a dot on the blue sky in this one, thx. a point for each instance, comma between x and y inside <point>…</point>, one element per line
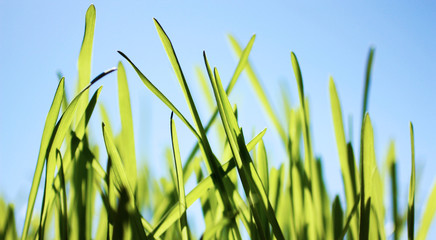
<point>329,38</point>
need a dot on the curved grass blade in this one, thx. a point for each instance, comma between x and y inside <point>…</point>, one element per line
<point>127,149</point>
<point>161,96</point>
<point>50,123</point>
<point>411,205</point>
<point>63,198</point>
<point>180,181</point>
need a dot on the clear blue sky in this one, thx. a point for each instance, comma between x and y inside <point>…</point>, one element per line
<point>37,39</point>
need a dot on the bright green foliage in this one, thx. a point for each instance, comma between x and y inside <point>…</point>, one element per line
<point>288,202</point>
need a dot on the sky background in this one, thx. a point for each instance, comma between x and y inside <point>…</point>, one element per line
<point>38,39</point>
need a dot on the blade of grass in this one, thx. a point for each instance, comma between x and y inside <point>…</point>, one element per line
<point>50,123</point>
<point>122,179</point>
<point>127,149</point>
<point>85,55</point>
<point>367,82</point>
<point>392,167</point>
<point>427,218</point>
<point>260,92</point>
<point>346,164</point>
<point>180,182</point>
<point>411,205</point>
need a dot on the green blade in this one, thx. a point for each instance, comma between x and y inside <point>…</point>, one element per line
<point>427,218</point>
<point>337,218</point>
<point>255,82</point>
<point>85,55</point>
<point>122,179</point>
<point>411,205</point>
<point>367,82</point>
<point>127,149</point>
<point>346,164</point>
<point>180,181</point>
<point>50,123</point>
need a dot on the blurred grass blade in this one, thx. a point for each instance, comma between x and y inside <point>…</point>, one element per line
<point>255,82</point>
<point>367,82</point>
<point>346,164</point>
<point>367,170</point>
<point>63,197</point>
<point>50,123</point>
<point>411,205</point>
<point>180,182</point>
<point>428,215</point>
<point>392,168</point>
<point>337,218</point>
<point>127,149</point>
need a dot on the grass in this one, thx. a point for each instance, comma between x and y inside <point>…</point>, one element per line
<point>240,194</point>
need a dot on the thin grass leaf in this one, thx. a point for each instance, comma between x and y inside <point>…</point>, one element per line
<point>346,164</point>
<point>85,55</point>
<point>180,181</point>
<point>127,149</point>
<point>411,205</point>
<point>47,132</point>
<point>367,82</point>
<point>350,216</point>
<point>337,218</point>
<point>63,198</point>
<point>367,169</point>
<point>429,213</point>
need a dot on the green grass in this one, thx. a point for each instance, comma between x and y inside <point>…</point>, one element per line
<point>240,193</point>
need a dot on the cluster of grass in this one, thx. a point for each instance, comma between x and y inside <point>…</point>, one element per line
<point>240,194</point>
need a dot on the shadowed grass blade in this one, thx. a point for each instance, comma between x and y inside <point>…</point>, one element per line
<point>50,123</point>
<point>180,181</point>
<point>122,179</point>
<point>411,205</point>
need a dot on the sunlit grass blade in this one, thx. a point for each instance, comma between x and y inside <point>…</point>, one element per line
<point>346,164</point>
<point>46,135</point>
<point>127,149</point>
<point>161,96</point>
<point>255,82</point>
<point>429,213</point>
<point>411,205</point>
<point>122,179</point>
<point>367,169</point>
<point>180,181</point>
<point>85,55</point>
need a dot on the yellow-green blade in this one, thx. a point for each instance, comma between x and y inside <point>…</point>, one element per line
<point>50,123</point>
<point>127,149</point>
<point>411,205</point>
<point>427,218</point>
<point>180,181</point>
<point>85,55</point>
